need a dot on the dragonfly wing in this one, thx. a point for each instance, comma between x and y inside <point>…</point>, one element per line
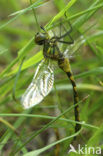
<point>40,86</point>
<point>73,48</point>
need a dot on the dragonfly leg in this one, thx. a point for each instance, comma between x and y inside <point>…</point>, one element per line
<point>65,42</point>
<point>67,33</point>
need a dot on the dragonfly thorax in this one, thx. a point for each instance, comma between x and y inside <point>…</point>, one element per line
<point>40,38</point>
<point>50,46</point>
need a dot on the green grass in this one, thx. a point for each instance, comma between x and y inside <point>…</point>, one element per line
<point>32,131</point>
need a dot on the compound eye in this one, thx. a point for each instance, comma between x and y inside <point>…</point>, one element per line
<point>39,40</point>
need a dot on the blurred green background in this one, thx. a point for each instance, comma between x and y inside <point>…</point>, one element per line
<point>21,133</point>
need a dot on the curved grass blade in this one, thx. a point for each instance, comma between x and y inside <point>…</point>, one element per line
<point>21,54</point>
<point>20,12</point>
<point>39,151</point>
<point>60,14</point>
<point>45,127</point>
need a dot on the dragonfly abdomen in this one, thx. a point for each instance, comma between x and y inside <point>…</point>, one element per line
<point>65,66</point>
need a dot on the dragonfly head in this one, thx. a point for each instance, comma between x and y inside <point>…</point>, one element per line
<point>40,38</point>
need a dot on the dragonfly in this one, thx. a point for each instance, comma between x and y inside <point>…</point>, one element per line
<point>42,82</point>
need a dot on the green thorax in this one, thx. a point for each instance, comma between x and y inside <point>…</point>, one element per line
<point>51,49</point>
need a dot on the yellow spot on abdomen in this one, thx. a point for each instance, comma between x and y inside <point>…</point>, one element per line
<point>71,77</point>
<point>75,88</point>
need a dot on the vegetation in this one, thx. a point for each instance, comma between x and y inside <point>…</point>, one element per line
<point>48,128</point>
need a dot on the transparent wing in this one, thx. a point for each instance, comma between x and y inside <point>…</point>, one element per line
<point>73,48</point>
<point>40,86</point>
